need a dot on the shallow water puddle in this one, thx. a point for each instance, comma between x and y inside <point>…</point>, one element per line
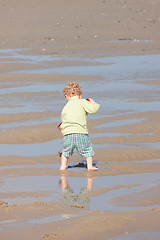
<point>120,76</point>
<point>121,122</point>
<point>12,125</point>
<point>133,64</point>
<point>49,165</point>
<point>7,221</point>
<point>142,161</point>
<point>36,149</point>
<point>52,147</point>
<point>14,223</point>
<point>80,191</point>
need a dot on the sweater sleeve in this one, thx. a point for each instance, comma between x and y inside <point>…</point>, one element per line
<point>90,107</point>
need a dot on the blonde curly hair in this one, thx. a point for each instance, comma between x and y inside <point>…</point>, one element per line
<point>72,89</point>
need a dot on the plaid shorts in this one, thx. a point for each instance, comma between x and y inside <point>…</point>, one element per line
<point>78,141</point>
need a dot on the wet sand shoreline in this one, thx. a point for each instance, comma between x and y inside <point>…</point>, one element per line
<point>120,138</point>
<point>112,49</point>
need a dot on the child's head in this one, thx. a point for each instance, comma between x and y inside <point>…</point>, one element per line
<point>72,89</point>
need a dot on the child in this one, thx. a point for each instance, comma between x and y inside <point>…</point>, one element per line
<point>74,125</point>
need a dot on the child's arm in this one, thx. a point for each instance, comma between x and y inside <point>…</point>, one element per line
<point>91,106</point>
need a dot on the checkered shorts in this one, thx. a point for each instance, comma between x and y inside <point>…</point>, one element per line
<point>78,141</point>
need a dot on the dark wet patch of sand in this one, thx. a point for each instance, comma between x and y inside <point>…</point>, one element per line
<point>147,197</point>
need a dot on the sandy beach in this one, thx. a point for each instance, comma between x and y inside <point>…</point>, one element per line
<point>112,48</point>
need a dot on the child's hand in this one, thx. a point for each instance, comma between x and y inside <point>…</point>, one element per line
<point>91,100</point>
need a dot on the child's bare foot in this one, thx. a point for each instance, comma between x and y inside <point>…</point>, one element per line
<point>93,169</point>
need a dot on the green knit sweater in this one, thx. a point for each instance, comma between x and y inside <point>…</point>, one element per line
<point>74,116</point>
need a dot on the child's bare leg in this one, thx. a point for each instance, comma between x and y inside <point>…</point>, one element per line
<point>90,164</point>
<point>64,161</point>
<point>89,183</point>
<point>64,182</point>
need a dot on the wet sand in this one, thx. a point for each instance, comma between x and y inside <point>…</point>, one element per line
<point>112,49</point>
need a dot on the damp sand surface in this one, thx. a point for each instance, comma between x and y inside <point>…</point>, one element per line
<point>119,70</point>
<point>125,135</point>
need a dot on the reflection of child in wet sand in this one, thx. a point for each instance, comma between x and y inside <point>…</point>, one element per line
<point>74,125</point>
<point>80,200</point>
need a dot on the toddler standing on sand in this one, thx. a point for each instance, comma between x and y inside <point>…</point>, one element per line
<point>74,125</point>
